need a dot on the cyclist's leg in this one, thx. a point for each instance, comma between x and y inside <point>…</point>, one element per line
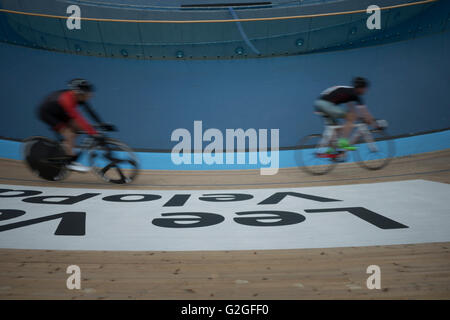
<point>343,142</point>
<point>336,112</point>
<point>69,138</point>
<point>350,117</point>
<point>58,126</point>
<point>332,114</point>
<point>72,134</point>
<point>68,131</point>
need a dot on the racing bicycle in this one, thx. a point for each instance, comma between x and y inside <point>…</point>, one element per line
<point>110,159</point>
<point>318,154</point>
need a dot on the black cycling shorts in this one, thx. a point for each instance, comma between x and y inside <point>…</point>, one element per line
<point>55,123</point>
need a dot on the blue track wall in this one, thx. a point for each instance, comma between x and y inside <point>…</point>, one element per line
<point>149,99</point>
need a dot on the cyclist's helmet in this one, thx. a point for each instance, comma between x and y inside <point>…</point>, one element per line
<point>360,82</point>
<point>81,85</point>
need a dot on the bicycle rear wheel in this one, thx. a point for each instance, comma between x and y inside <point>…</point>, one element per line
<point>114,162</point>
<point>45,158</point>
<point>312,158</point>
<point>376,154</point>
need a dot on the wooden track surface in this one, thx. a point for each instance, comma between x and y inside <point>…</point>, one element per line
<point>414,271</point>
<point>433,166</point>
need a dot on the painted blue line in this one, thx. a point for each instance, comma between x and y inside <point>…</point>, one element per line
<point>162,161</point>
<point>10,150</point>
<point>242,32</point>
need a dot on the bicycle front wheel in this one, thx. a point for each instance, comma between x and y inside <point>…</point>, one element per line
<point>375,154</point>
<point>114,162</point>
<point>312,157</point>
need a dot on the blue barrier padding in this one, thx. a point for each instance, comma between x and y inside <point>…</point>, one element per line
<point>162,161</point>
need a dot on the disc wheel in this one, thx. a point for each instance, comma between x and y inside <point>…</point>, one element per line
<point>45,158</point>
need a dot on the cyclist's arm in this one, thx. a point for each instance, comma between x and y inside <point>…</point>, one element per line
<point>366,115</point>
<point>69,105</point>
<point>92,113</point>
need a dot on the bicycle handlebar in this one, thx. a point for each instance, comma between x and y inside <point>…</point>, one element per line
<point>106,127</point>
<point>381,124</point>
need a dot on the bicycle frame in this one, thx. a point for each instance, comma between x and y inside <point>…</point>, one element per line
<point>55,167</point>
<point>87,143</point>
<point>371,145</point>
<point>330,133</point>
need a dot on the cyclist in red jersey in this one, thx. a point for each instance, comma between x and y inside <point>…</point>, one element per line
<point>59,110</point>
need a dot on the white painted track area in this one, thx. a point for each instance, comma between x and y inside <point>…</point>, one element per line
<point>383,213</point>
